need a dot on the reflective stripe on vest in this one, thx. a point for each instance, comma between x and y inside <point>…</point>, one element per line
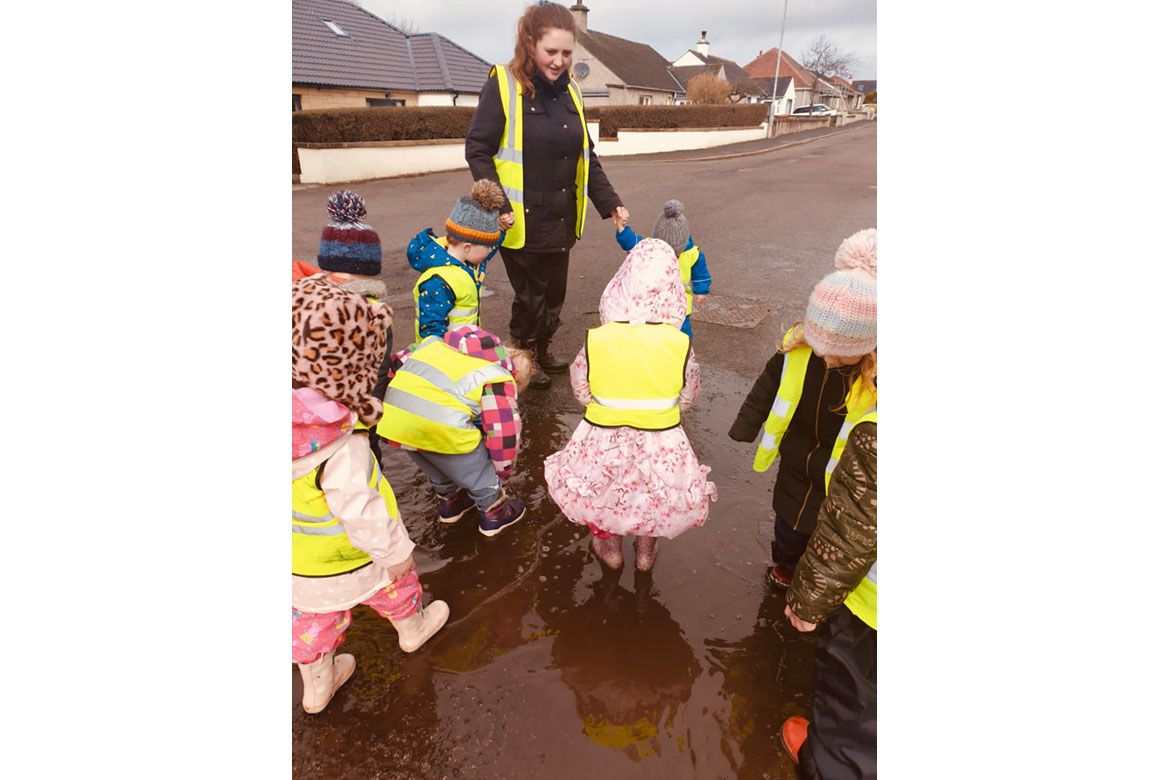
<point>320,547</point>
<point>509,158</point>
<point>852,418</point>
<point>862,602</point>
<point>635,375</point>
<point>686,264</point>
<point>433,400</point>
<point>787,398</point>
<point>466,308</point>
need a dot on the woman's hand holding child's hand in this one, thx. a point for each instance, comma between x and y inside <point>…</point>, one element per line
<point>621,217</point>
<point>505,220</point>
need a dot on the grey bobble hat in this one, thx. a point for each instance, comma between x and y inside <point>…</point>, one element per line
<point>672,226</point>
<point>474,218</point>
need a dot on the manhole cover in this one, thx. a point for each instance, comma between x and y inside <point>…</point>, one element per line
<point>744,313</point>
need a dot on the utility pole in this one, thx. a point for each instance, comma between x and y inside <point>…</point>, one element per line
<point>776,77</point>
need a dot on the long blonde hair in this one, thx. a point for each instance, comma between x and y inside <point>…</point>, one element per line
<point>536,20</point>
<point>865,369</point>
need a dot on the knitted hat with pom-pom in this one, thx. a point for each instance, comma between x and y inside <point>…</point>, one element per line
<point>349,245</point>
<point>672,226</point>
<point>841,318</point>
<point>474,218</point>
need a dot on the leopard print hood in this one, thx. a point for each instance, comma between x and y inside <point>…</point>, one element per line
<point>338,340</point>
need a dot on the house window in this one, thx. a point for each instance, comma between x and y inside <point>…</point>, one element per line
<point>644,100</point>
<point>296,102</point>
<point>376,102</point>
<point>335,28</point>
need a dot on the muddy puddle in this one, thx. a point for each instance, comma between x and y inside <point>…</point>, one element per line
<point>552,668</point>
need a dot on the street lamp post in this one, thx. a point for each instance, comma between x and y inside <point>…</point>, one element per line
<point>776,77</point>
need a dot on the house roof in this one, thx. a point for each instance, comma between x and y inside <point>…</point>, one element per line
<point>375,54</point>
<point>636,64</point>
<point>442,64</point>
<point>765,65</point>
<point>765,83</point>
<point>740,79</point>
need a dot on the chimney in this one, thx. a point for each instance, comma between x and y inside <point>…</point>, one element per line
<point>704,45</point>
<point>581,16</point>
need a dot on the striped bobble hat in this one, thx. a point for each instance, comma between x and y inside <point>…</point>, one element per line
<point>349,245</point>
<point>841,318</point>
<point>474,218</point>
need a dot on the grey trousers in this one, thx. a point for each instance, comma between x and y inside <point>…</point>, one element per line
<point>472,471</point>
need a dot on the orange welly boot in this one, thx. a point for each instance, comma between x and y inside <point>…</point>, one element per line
<point>793,734</point>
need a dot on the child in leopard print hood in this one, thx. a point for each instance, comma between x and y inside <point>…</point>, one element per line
<point>348,542</point>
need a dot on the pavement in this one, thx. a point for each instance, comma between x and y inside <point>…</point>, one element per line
<point>549,667</point>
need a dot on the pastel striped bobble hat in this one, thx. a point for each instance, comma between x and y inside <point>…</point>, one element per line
<point>841,318</point>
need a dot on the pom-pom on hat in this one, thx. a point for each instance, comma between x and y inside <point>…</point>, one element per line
<point>349,245</point>
<point>841,318</point>
<point>672,226</point>
<point>475,217</point>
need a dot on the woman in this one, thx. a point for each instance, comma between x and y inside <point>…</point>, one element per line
<point>546,165</point>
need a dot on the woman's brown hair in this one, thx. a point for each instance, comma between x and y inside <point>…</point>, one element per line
<point>865,369</point>
<point>536,20</point>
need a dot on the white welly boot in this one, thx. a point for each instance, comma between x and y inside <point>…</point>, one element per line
<point>421,626</point>
<point>322,679</point>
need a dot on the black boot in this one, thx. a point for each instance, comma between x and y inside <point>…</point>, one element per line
<point>548,361</point>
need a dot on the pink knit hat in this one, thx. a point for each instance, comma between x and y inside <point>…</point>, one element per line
<point>841,319</point>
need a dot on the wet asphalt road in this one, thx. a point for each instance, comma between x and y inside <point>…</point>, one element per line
<point>549,668</point>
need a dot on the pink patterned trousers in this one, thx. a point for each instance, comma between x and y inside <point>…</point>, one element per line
<point>316,633</point>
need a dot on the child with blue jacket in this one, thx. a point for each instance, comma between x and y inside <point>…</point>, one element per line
<point>672,228</point>
<point>453,267</point>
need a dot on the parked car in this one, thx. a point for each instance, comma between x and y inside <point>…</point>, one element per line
<point>816,109</point>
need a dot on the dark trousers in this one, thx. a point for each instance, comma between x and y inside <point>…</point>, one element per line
<point>788,545</point>
<point>539,280</point>
<point>842,732</point>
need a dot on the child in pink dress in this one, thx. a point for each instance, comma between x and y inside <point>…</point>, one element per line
<point>629,467</point>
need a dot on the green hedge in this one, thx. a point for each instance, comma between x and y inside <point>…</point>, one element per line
<point>413,123</point>
<point>614,118</point>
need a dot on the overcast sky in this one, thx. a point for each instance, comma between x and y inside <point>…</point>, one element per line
<point>737,29</point>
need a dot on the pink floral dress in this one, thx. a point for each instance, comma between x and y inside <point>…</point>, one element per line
<point>625,480</point>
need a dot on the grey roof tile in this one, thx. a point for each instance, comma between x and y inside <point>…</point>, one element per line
<point>374,53</point>
<point>636,64</point>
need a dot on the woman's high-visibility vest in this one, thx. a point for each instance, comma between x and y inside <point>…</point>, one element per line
<point>635,374</point>
<point>320,547</point>
<point>858,404</point>
<point>433,400</point>
<point>509,158</point>
<point>686,264</point>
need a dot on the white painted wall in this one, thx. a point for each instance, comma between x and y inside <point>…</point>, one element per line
<point>688,59</point>
<point>444,99</point>
<point>649,141</point>
<point>330,166</point>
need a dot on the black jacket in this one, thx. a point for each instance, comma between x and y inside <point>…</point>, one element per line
<point>808,442</point>
<point>552,145</point>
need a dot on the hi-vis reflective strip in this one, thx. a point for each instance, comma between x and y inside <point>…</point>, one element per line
<point>846,428</point>
<point>780,407</point>
<point>508,151</point>
<point>459,389</point>
<point>326,524</point>
<point>871,575</point>
<point>426,409</point>
<point>461,312</point>
<point>637,404</point>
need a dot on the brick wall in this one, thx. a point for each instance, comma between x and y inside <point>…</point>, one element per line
<point>327,97</point>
